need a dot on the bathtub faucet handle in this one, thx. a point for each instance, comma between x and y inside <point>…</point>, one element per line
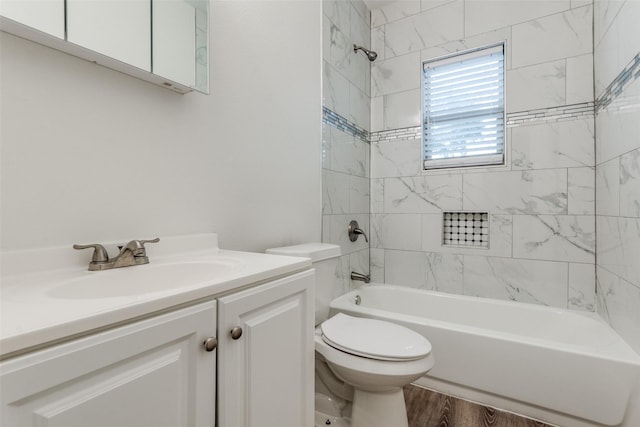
<point>355,230</point>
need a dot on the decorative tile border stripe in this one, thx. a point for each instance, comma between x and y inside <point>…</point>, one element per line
<point>624,104</point>
<point>403,134</point>
<point>551,114</point>
<point>541,115</point>
<point>336,120</point>
<point>630,73</point>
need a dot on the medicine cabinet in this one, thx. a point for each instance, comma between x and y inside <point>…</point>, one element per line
<point>164,42</point>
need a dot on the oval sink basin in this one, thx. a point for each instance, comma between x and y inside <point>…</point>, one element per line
<point>143,279</point>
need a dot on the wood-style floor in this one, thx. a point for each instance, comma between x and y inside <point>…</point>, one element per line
<point>426,408</point>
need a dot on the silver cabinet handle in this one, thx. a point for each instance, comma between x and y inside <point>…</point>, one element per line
<point>236,332</point>
<point>210,344</point>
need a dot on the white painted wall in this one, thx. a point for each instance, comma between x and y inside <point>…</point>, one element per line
<point>92,155</point>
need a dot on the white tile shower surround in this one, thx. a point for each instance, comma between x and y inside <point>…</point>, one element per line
<point>569,238</point>
<point>558,180</point>
<point>618,186</point>
<point>618,304</point>
<point>619,122</point>
<point>616,39</point>
<point>619,246</point>
<point>345,151</point>
<point>423,30</point>
<point>406,210</point>
<point>549,43</point>
<point>617,87</point>
<point>569,142</point>
<point>346,26</point>
<point>548,283</point>
<point>541,205</point>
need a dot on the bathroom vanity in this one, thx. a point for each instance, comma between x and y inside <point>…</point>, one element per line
<point>231,349</point>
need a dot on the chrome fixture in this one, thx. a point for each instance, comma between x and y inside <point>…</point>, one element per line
<point>133,253</point>
<point>355,230</point>
<point>358,300</point>
<point>371,55</point>
<point>361,277</point>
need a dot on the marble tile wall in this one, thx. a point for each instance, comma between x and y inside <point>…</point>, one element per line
<point>617,82</point>
<point>541,205</point>
<point>346,150</point>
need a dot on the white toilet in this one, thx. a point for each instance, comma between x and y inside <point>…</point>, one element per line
<point>376,357</point>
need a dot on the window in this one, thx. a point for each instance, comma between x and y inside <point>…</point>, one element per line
<point>464,117</point>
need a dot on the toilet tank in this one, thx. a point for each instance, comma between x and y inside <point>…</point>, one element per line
<point>324,258</point>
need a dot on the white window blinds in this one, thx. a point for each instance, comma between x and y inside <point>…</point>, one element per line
<point>464,116</point>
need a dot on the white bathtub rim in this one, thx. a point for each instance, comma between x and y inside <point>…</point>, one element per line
<point>619,351</point>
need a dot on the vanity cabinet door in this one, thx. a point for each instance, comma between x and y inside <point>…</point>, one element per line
<point>265,374</point>
<point>155,372</point>
<point>118,29</point>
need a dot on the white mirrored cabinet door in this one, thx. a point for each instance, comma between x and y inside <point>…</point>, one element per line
<point>43,15</point>
<point>174,41</point>
<point>118,29</point>
<point>180,42</point>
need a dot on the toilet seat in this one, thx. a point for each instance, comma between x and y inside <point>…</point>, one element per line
<point>374,339</point>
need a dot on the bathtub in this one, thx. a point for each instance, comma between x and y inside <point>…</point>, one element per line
<point>564,367</point>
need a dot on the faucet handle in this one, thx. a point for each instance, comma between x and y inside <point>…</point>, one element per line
<point>142,242</point>
<point>354,231</point>
<point>143,251</point>
<point>99,254</point>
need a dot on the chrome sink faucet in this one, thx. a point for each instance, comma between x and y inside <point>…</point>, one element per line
<point>133,253</point>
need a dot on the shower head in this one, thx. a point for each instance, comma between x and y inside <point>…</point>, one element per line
<point>371,55</point>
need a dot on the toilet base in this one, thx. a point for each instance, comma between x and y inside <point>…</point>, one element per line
<point>379,409</point>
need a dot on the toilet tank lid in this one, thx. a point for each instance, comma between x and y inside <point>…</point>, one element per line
<point>315,251</point>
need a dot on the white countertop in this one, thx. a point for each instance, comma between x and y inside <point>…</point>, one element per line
<point>33,312</point>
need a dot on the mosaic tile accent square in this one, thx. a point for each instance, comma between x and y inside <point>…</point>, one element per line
<point>465,229</point>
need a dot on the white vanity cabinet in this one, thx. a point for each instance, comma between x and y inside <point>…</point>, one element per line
<point>153,372</point>
<point>266,354</point>
<point>158,372</point>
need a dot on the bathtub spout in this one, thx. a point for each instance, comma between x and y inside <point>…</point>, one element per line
<point>361,277</point>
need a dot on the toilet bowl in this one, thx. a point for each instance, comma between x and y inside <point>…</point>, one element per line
<point>377,358</point>
<point>373,358</point>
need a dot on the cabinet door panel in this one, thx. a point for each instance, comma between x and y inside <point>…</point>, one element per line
<point>265,377</point>
<point>151,373</point>
<point>118,29</point>
<point>43,15</point>
<point>174,41</point>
